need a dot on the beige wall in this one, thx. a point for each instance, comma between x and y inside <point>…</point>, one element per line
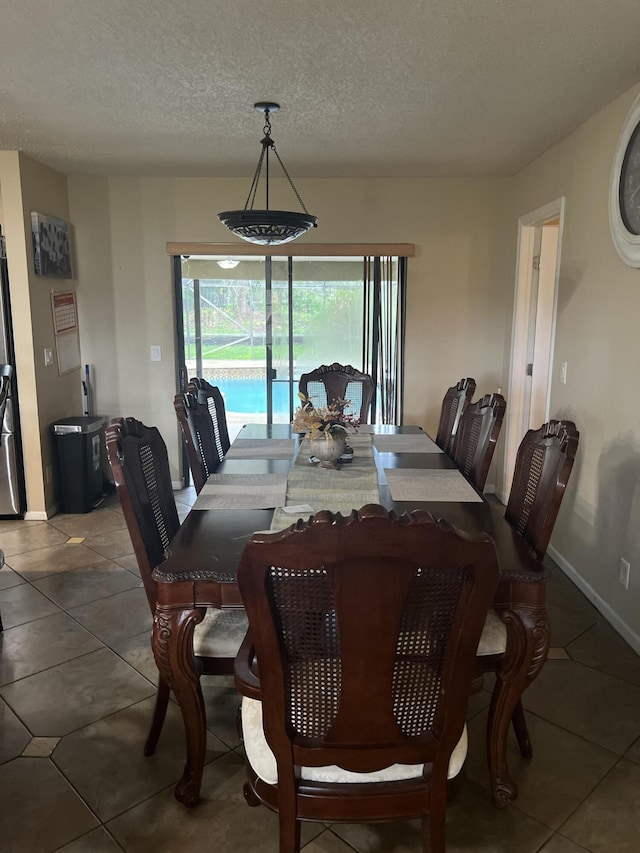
<point>25,186</point>
<point>459,308</point>
<point>459,282</point>
<point>597,335</point>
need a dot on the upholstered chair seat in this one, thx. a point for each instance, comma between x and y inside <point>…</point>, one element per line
<point>263,761</point>
<point>493,640</point>
<point>220,633</point>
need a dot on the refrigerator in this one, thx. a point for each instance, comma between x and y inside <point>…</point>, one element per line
<point>12,492</point>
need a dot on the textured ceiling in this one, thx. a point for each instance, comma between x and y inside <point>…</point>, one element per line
<point>367,87</point>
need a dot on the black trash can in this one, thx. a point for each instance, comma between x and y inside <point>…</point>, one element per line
<point>79,444</point>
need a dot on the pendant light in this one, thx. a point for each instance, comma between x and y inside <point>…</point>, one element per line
<point>267,227</point>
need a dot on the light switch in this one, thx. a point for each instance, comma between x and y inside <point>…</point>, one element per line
<point>156,352</point>
<point>48,357</point>
<point>563,373</point>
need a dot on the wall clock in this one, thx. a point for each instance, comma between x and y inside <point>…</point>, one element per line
<point>624,190</point>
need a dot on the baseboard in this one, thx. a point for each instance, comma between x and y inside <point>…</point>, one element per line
<point>599,603</point>
<point>37,515</point>
<point>489,489</point>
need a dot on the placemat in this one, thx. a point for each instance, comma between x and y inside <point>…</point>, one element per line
<point>261,448</point>
<point>415,484</point>
<point>405,443</point>
<point>242,491</point>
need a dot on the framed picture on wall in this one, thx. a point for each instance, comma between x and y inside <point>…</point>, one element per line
<point>51,246</point>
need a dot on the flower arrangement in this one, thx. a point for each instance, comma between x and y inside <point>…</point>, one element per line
<point>328,422</point>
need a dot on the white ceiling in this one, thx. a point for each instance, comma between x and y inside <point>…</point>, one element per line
<point>367,87</point>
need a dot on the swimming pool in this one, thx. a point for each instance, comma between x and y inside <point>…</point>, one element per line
<point>250,395</point>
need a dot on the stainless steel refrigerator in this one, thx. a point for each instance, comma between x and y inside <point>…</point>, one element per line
<point>12,493</point>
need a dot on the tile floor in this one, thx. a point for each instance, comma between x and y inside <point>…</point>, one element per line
<point>76,691</point>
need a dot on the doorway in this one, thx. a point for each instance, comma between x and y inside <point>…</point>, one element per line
<point>252,325</point>
<point>533,332</point>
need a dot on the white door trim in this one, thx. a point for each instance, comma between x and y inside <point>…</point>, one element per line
<point>516,400</point>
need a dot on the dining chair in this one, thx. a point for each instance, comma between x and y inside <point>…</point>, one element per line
<point>331,383</point>
<point>543,465</point>
<point>454,403</point>
<point>198,436</point>
<point>366,629</point>
<point>140,466</point>
<point>212,398</point>
<point>476,438</point>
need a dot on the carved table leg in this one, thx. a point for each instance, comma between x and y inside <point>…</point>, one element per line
<point>527,647</point>
<point>173,651</point>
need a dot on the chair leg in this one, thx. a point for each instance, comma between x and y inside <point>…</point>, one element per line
<point>289,830</point>
<point>159,713</point>
<point>434,832</point>
<point>519,722</point>
<point>287,815</point>
<point>250,796</point>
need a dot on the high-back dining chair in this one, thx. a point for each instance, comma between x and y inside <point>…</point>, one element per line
<point>198,436</point>
<point>365,629</point>
<point>331,383</point>
<point>543,465</point>
<point>476,438</point>
<point>454,403</point>
<point>140,466</point>
<point>212,398</point>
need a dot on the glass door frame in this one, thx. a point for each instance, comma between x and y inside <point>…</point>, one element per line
<point>178,251</point>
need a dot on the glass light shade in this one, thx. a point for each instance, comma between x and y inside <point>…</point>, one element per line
<point>267,227</point>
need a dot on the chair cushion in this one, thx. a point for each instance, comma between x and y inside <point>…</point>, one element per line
<point>263,760</point>
<point>220,633</point>
<point>493,640</point>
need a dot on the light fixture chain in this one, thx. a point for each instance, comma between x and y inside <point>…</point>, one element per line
<point>284,169</point>
<point>254,184</point>
<point>267,124</point>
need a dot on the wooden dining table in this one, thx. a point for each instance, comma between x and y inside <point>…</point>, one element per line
<point>202,560</point>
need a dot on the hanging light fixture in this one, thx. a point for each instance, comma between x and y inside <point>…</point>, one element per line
<point>267,227</point>
<point>228,263</point>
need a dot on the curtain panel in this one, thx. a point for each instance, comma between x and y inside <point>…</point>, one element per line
<point>385,283</point>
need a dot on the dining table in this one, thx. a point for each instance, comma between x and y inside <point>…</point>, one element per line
<point>266,482</point>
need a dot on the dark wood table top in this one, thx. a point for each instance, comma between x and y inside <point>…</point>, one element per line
<point>209,544</point>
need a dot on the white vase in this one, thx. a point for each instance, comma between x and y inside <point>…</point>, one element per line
<point>328,449</point>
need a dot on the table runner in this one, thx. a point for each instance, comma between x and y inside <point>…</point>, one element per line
<point>261,448</point>
<point>339,490</point>
<point>242,491</point>
<point>418,484</point>
<point>405,443</point>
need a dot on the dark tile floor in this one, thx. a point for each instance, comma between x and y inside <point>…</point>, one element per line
<point>76,691</point>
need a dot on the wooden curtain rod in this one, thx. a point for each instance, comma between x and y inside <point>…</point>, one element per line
<point>400,250</point>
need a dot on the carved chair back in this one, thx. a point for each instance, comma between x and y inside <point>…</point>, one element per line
<point>476,437</point>
<point>366,629</point>
<point>454,403</point>
<point>331,383</point>
<point>543,465</point>
<point>211,397</point>
<point>198,436</point>
<point>140,466</point>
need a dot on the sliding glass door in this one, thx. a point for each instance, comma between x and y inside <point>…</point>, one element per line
<point>254,328</point>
